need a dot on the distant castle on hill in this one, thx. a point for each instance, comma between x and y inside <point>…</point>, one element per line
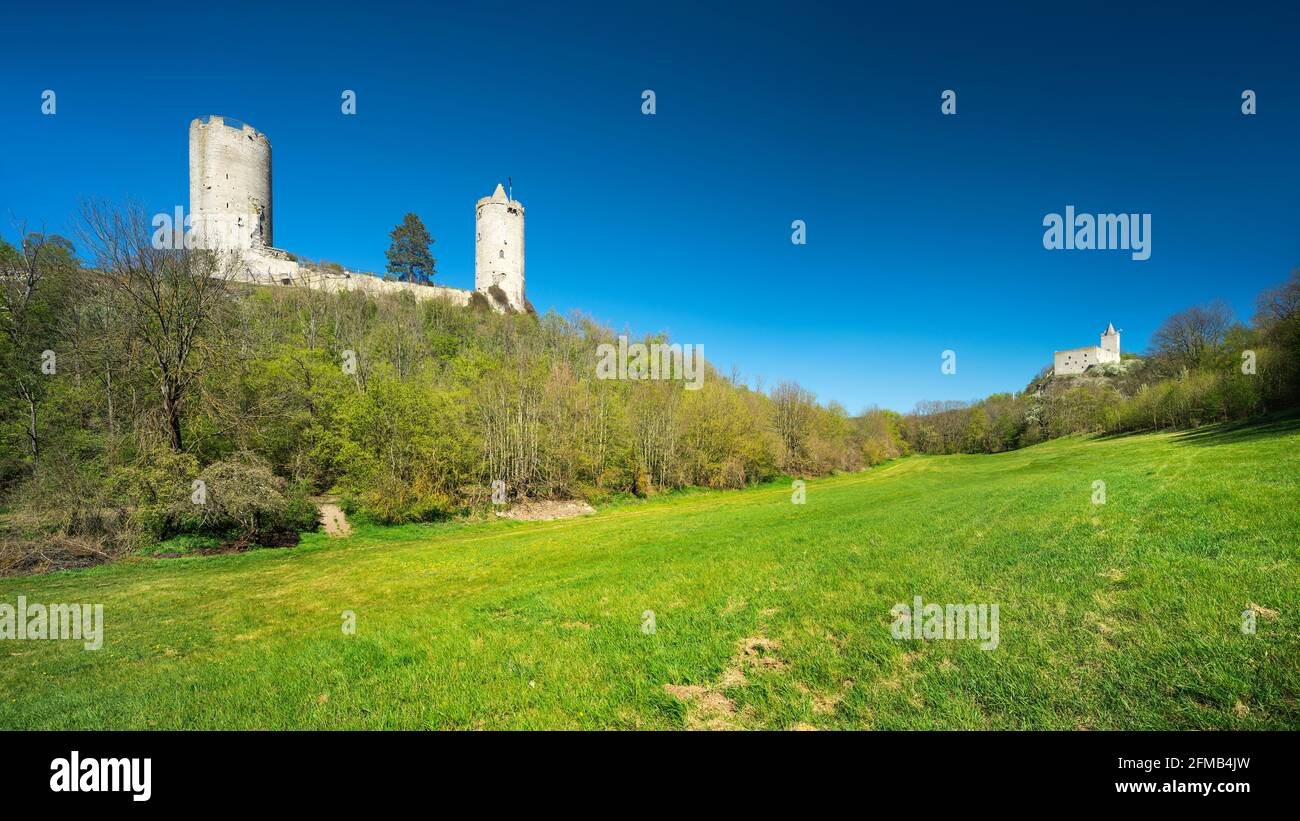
<point>1078,360</point>
<point>230,210</point>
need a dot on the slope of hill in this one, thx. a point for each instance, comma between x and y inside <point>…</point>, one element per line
<point>765,614</point>
<point>1111,373</point>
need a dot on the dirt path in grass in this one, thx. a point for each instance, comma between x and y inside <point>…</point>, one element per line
<point>332,517</point>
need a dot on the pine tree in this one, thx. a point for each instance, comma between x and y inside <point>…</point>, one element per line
<point>408,255</point>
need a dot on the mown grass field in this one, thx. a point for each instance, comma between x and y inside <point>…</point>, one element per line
<point>1125,615</point>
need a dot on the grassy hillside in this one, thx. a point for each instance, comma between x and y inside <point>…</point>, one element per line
<point>768,614</point>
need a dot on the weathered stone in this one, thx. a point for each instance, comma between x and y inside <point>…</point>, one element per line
<point>230,185</point>
<point>1078,360</point>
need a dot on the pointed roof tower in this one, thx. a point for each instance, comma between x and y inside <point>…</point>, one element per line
<point>1110,326</point>
<point>499,195</point>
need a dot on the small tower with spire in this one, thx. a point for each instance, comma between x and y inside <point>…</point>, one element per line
<point>1110,340</point>
<point>1078,360</point>
<point>499,250</point>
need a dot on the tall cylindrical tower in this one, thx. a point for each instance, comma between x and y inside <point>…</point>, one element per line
<point>230,184</point>
<point>499,248</point>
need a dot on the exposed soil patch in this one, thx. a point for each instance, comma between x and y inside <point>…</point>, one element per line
<point>732,677</point>
<point>332,518</point>
<point>759,651</point>
<point>1267,612</point>
<point>825,703</point>
<point>1093,620</point>
<point>709,708</point>
<point>733,606</point>
<point>544,510</point>
<point>904,674</point>
<point>334,521</point>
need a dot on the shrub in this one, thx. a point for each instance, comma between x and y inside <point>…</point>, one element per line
<point>393,501</point>
<point>241,499</point>
<point>500,298</point>
<point>63,517</point>
<point>22,554</point>
<point>479,302</point>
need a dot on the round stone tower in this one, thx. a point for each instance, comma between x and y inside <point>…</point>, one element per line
<point>499,248</point>
<point>230,184</point>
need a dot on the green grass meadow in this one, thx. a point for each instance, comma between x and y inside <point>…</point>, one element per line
<point>767,614</point>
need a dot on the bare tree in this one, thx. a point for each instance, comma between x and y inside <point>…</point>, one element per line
<point>169,296</point>
<point>1279,304</point>
<point>793,419</point>
<point>655,410</point>
<point>509,414</point>
<point>1188,338</point>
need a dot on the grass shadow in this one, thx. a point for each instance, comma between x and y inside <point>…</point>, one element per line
<point>1234,432</point>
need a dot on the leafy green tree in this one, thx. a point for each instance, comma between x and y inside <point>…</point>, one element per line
<point>409,258</point>
<point>34,279</point>
<point>977,430</point>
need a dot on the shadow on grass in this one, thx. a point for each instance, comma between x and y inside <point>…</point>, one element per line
<point>1223,433</point>
<point>1233,432</point>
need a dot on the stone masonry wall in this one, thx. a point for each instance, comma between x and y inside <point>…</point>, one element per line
<point>230,177</point>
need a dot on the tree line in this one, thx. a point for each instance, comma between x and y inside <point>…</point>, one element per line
<point>1203,367</point>
<point>131,373</point>
<point>147,394</point>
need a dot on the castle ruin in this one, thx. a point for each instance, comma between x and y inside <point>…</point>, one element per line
<point>231,211</point>
<point>1078,360</point>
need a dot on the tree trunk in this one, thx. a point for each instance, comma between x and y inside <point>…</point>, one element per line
<point>172,410</point>
<point>31,430</point>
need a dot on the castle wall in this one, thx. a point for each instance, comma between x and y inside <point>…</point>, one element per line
<point>1076,360</point>
<point>230,211</point>
<point>230,183</point>
<point>1079,360</point>
<point>271,266</point>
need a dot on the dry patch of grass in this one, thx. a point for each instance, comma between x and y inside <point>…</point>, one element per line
<point>545,510</point>
<point>708,706</point>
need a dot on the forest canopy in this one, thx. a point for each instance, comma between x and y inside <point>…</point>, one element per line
<point>130,372</point>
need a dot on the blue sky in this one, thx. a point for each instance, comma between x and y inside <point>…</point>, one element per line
<point>924,232</point>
